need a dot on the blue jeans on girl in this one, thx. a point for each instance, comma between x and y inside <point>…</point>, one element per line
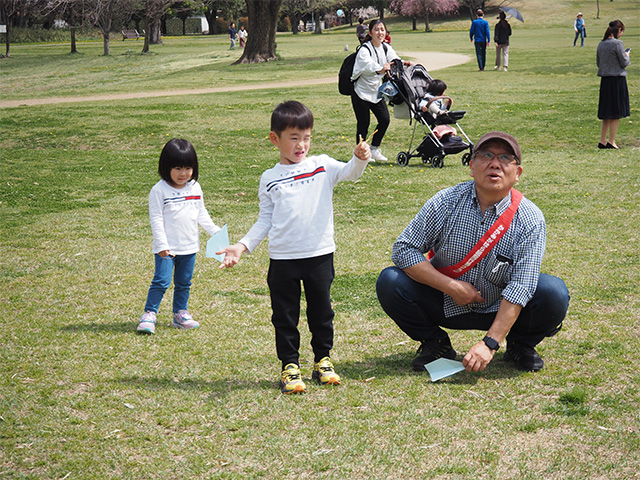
<point>181,266</point>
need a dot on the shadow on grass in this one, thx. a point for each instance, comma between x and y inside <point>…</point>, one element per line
<point>216,388</point>
<point>121,327</point>
<point>397,365</point>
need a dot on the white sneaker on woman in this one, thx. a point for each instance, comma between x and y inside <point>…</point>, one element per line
<point>377,155</point>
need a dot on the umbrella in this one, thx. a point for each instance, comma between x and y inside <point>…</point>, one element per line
<point>513,12</point>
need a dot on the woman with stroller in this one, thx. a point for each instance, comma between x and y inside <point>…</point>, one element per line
<point>612,60</point>
<point>372,64</point>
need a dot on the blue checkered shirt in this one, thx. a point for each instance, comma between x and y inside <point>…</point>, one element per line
<point>451,223</point>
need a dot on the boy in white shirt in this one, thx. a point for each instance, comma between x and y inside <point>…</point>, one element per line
<point>296,212</point>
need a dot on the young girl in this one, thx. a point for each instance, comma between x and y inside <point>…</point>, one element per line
<point>175,210</point>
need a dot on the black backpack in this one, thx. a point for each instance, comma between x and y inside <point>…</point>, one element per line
<point>345,85</point>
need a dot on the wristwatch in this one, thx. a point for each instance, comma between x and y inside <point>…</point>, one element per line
<point>492,343</point>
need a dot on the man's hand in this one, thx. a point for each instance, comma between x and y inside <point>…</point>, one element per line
<point>478,357</point>
<point>232,254</point>
<point>465,293</point>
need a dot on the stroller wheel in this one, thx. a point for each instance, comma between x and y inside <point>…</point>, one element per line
<point>437,161</point>
<point>402,159</point>
<point>466,159</point>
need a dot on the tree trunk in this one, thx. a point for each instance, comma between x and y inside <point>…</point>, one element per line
<point>73,40</point>
<point>318,30</point>
<point>210,15</point>
<point>105,43</point>
<point>7,42</point>
<point>261,42</point>
<point>415,23</point>
<point>427,28</point>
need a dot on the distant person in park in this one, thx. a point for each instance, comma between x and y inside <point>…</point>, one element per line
<point>501,36</point>
<point>612,60</point>
<point>232,36</point>
<point>361,30</point>
<point>580,29</point>
<point>481,38</point>
<point>296,212</point>
<point>176,208</point>
<point>372,64</point>
<point>470,260</point>
<point>242,36</point>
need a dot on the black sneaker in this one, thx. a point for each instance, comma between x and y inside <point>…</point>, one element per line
<point>431,350</point>
<point>525,357</point>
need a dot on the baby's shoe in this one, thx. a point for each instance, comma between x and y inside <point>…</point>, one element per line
<point>147,323</point>
<point>183,319</point>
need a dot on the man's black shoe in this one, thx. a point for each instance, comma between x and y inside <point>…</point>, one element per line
<point>431,350</point>
<point>525,357</point>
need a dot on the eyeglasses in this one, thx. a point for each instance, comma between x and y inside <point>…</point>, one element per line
<point>504,158</point>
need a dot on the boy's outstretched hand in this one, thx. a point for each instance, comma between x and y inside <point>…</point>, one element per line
<point>362,151</point>
<point>232,254</point>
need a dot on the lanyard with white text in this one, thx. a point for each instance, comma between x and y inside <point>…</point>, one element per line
<point>486,243</point>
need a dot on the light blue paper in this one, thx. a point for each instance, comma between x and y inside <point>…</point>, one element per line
<point>442,368</point>
<point>217,242</point>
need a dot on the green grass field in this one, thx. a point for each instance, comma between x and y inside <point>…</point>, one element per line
<point>83,397</point>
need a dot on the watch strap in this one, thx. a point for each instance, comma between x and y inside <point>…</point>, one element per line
<point>492,343</point>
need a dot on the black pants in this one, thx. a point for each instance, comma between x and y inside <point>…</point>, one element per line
<point>284,277</point>
<point>362,108</point>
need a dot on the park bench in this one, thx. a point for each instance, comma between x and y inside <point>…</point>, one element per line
<point>130,34</point>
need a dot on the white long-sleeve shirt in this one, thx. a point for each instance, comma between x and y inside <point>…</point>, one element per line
<point>369,61</point>
<point>175,215</point>
<point>296,207</point>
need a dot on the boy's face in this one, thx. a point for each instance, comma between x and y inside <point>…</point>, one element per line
<point>293,144</point>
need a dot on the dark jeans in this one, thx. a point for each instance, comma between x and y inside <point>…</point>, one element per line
<point>284,277</point>
<point>580,33</point>
<point>362,108</point>
<point>418,309</point>
<point>481,54</point>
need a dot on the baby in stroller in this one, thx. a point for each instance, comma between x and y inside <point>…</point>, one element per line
<point>434,100</point>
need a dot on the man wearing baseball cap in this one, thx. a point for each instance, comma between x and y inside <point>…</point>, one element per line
<point>470,260</point>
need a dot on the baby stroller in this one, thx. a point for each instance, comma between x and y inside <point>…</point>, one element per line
<point>439,140</point>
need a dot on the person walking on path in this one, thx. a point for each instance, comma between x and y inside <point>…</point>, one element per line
<point>501,37</point>
<point>481,38</point>
<point>613,104</point>
<point>232,36</point>
<point>580,28</point>
<point>373,61</point>
<point>242,36</point>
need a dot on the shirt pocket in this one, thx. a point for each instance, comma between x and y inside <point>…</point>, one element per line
<point>498,269</point>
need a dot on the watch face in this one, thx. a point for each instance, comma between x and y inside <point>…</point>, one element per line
<point>491,343</point>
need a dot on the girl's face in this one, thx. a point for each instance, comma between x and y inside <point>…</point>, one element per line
<point>379,32</point>
<point>180,176</point>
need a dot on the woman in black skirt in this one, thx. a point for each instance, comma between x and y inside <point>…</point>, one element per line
<point>612,60</point>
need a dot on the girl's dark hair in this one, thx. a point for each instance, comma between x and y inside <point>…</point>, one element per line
<point>178,152</point>
<point>291,114</point>
<point>614,29</point>
<point>437,87</point>
<point>372,24</point>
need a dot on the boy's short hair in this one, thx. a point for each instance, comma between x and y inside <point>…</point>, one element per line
<point>291,114</point>
<point>177,152</point>
<point>437,87</point>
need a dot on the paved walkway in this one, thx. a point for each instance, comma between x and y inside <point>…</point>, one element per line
<point>431,60</point>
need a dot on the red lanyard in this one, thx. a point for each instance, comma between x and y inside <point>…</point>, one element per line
<point>486,243</point>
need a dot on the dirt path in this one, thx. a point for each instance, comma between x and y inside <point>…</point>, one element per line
<point>431,60</point>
